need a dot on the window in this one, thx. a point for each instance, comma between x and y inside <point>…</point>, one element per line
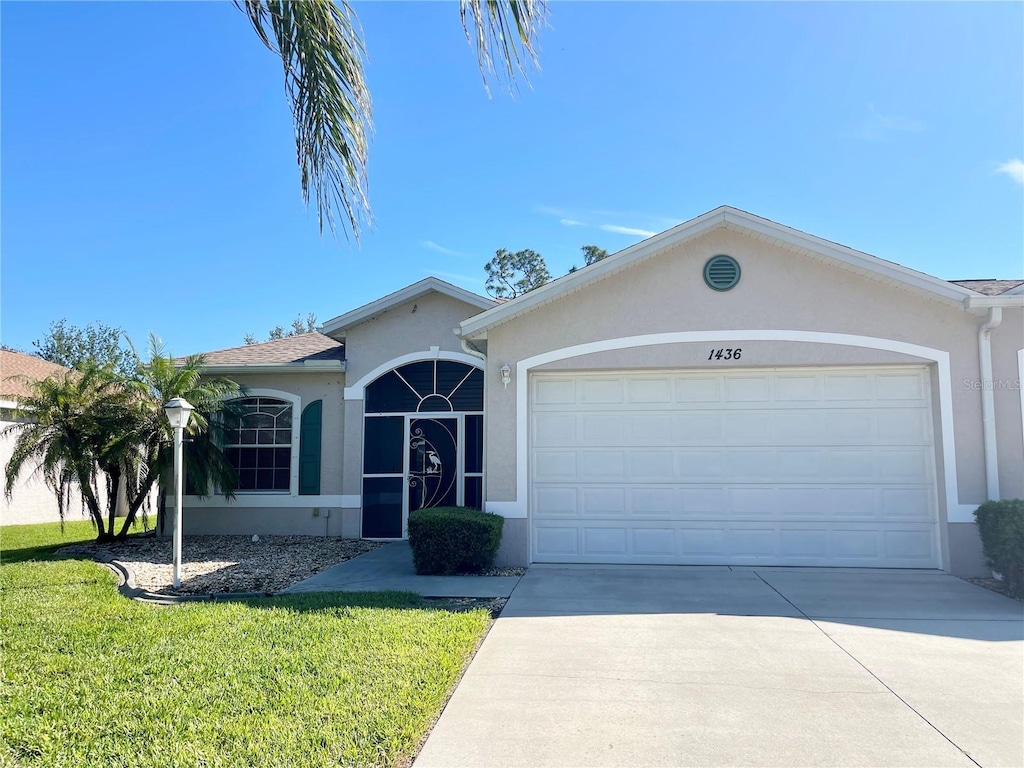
<point>260,443</point>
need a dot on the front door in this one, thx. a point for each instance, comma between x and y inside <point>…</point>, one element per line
<point>422,443</point>
<point>433,470</point>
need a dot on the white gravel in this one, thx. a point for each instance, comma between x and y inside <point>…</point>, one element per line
<point>221,564</point>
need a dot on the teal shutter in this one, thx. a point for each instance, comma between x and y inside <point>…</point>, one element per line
<point>309,449</point>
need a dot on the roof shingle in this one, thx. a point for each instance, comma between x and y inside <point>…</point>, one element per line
<point>988,287</point>
<point>292,349</point>
<point>14,365</point>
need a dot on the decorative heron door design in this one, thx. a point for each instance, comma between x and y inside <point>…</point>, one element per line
<point>422,443</point>
<point>433,463</point>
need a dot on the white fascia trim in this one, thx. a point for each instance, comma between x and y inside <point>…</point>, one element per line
<point>954,511</point>
<point>409,293</point>
<point>725,215</point>
<point>11,404</point>
<point>994,302</point>
<point>357,390</point>
<point>317,366</point>
<point>272,500</point>
<point>1020,386</point>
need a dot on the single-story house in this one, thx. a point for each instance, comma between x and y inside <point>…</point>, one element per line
<point>730,391</point>
<point>31,500</point>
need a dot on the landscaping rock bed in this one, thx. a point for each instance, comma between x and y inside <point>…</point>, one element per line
<point>225,564</point>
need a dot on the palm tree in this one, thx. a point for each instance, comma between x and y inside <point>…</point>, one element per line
<point>148,458</point>
<point>321,47</point>
<point>93,428</point>
<point>68,428</point>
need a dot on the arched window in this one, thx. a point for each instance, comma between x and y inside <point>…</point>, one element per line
<point>259,442</point>
<point>427,386</point>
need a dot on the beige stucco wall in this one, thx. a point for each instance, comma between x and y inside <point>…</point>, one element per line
<point>1007,339</point>
<point>780,289</point>
<point>414,326</point>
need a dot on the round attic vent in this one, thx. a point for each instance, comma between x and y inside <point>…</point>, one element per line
<point>721,272</point>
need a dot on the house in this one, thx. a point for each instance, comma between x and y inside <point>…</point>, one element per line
<point>730,391</point>
<point>31,501</point>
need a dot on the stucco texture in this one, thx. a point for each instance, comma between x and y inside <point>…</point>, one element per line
<point>780,289</point>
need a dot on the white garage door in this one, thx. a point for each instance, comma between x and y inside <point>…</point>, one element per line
<point>785,466</point>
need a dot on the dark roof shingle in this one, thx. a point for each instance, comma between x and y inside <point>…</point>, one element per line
<point>991,287</point>
<point>292,349</point>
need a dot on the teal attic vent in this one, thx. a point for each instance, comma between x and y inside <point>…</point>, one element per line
<point>721,272</point>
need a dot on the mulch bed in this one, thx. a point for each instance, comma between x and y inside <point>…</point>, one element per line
<point>225,564</point>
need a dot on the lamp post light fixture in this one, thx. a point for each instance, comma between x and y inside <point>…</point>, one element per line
<point>506,374</point>
<point>178,411</point>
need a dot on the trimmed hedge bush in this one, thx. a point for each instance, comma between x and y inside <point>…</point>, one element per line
<point>447,540</point>
<point>1001,525</point>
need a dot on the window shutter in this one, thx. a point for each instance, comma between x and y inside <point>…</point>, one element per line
<point>309,449</point>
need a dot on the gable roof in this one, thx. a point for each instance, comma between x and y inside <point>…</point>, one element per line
<point>990,287</point>
<point>14,365</point>
<point>337,326</point>
<point>304,351</point>
<point>723,217</point>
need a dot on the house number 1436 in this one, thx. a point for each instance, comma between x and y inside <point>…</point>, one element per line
<point>725,354</point>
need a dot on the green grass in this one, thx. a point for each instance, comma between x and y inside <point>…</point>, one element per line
<point>34,542</point>
<point>91,678</point>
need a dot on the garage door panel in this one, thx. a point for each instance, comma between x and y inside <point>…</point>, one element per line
<point>556,502</point>
<point>555,429</point>
<point>697,389</point>
<point>800,466</point>
<point>606,465</point>
<point>555,465</point>
<point>899,386</point>
<point>652,466</point>
<point>603,428</point>
<point>747,389</point>
<point>647,391</point>
<point>603,501</point>
<point>601,391</point>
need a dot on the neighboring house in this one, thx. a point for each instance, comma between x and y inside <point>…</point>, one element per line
<point>31,501</point>
<point>731,391</point>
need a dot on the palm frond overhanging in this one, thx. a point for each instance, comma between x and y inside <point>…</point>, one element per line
<point>320,44</point>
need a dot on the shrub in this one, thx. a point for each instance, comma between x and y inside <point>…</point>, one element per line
<point>450,540</point>
<point>1001,525</point>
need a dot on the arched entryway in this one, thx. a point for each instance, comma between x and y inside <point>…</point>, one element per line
<point>422,443</point>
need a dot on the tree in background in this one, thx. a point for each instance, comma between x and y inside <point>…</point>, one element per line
<point>513,274</point>
<point>95,344</point>
<point>321,47</point>
<point>299,327</point>
<point>591,255</point>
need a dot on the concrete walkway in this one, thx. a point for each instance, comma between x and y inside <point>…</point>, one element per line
<point>390,568</point>
<point>621,666</point>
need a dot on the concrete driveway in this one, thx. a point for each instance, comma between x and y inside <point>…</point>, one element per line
<point>665,666</point>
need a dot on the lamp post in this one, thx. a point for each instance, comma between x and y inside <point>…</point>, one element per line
<point>178,412</point>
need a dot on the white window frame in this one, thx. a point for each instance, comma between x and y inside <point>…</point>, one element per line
<point>296,403</point>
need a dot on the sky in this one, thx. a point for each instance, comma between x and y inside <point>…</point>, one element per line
<point>148,177</point>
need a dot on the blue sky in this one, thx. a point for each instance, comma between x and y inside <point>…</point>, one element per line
<point>147,139</point>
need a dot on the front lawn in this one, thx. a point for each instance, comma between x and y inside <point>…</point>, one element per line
<point>30,542</point>
<point>91,678</point>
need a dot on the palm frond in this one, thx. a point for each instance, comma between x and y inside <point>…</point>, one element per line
<point>506,31</point>
<point>321,48</point>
